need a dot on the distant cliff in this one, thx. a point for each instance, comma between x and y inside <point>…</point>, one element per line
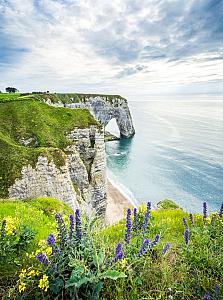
<point>52,146</point>
<point>104,108</point>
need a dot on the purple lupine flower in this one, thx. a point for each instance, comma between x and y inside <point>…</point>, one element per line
<point>61,228</point>
<point>2,230</point>
<point>71,217</point>
<point>128,226</point>
<point>3,224</point>
<point>166,247</point>
<point>144,247</point>
<point>155,241</point>
<point>185,222</point>
<point>207,297</point>
<point>135,220</point>
<point>221,210</point>
<point>50,240</point>
<point>216,291</point>
<point>42,258</point>
<point>191,219</point>
<point>205,210</point>
<point>186,236</point>
<point>146,218</point>
<point>59,218</point>
<point>118,252</point>
<point>78,224</point>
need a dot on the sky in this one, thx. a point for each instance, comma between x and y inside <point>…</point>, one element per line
<point>127,47</point>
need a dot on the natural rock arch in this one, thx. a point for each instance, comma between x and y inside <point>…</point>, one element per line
<point>107,109</point>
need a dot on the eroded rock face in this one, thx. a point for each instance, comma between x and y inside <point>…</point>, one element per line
<point>81,182</point>
<point>105,109</point>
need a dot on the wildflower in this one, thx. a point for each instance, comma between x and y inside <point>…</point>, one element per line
<point>165,248</point>
<point>50,240</point>
<point>191,219</point>
<point>2,230</point>
<point>32,273</point>
<point>216,291</point>
<point>144,247</point>
<point>59,218</point>
<point>22,287</point>
<point>135,220</point>
<point>78,224</point>
<point>3,224</point>
<point>71,217</point>
<point>184,222</point>
<point>207,297</point>
<point>205,210</point>
<point>44,283</point>
<point>146,218</point>
<point>156,240</point>
<point>186,236</point>
<point>221,210</point>
<point>9,225</point>
<point>118,252</point>
<point>128,226</point>
<point>22,274</point>
<point>61,227</point>
<point>42,258</point>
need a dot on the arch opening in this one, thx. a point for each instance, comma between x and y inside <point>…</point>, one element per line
<point>112,127</point>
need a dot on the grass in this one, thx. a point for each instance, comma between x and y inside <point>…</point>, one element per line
<point>5,97</point>
<point>184,273</point>
<point>45,126</point>
<point>36,213</point>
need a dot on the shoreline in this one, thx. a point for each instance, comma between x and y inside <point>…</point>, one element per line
<point>117,203</point>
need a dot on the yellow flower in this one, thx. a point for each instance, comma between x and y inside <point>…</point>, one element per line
<point>22,287</point>
<point>44,283</point>
<point>32,273</point>
<point>22,274</point>
<point>10,225</point>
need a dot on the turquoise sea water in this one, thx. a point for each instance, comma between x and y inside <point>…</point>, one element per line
<point>177,152</point>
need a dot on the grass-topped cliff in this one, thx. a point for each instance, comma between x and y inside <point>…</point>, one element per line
<point>30,128</point>
<point>58,97</point>
<point>159,254</point>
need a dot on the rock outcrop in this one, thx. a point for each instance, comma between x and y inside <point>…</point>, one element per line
<point>104,108</point>
<point>79,183</point>
<point>59,152</point>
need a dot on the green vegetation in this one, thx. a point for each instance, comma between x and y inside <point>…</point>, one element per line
<point>25,218</point>
<point>167,204</point>
<point>5,97</point>
<point>114,262</point>
<point>43,127</point>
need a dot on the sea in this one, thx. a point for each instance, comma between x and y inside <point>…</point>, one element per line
<point>176,153</point>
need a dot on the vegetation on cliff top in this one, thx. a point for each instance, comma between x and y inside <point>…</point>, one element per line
<point>81,259</point>
<point>30,128</point>
<point>56,97</point>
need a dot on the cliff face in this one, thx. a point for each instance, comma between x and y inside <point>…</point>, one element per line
<point>79,182</point>
<point>52,146</point>
<point>104,108</point>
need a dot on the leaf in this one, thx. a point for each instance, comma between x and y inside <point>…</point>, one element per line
<point>112,274</point>
<point>82,281</point>
<point>75,277</point>
<point>99,258</point>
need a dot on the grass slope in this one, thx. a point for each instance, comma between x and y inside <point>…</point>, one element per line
<point>184,272</point>
<point>23,118</point>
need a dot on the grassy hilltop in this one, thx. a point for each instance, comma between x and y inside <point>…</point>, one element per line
<point>73,257</point>
<point>28,118</point>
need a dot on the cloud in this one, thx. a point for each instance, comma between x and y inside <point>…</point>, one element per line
<point>116,46</point>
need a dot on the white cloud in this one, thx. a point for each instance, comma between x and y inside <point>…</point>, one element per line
<point>124,47</point>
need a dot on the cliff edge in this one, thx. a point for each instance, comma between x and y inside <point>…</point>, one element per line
<point>52,145</point>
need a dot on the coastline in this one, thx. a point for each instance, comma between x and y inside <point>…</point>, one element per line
<point>117,203</point>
